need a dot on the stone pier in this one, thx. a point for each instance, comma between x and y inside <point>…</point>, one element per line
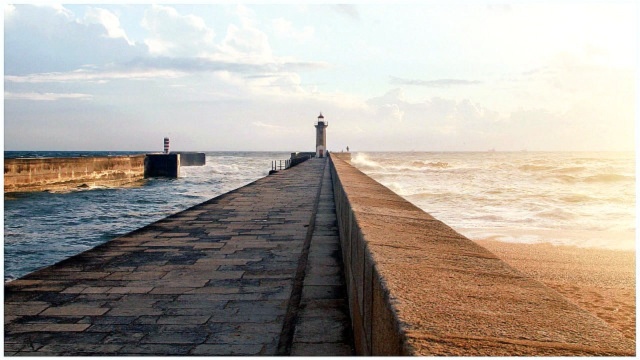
<point>252,272</point>
<point>318,259</point>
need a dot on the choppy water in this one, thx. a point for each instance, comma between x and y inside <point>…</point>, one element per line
<point>582,199</point>
<point>43,228</point>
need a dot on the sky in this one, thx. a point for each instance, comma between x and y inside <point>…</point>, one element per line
<point>427,76</point>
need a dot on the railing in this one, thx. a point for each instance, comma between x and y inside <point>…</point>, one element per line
<point>296,158</point>
<point>280,164</point>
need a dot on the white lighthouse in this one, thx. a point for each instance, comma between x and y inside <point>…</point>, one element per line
<point>321,136</point>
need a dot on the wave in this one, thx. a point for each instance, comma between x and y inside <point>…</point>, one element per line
<point>421,164</point>
<point>599,178</point>
<point>577,198</point>
<point>362,161</point>
<point>606,178</point>
<point>570,170</point>
<point>556,214</point>
<point>488,218</point>
<point>534,168</point>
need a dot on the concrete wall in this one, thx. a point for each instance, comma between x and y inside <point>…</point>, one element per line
<point>162,165</point>
<point>39,174</point>
<point>417,287</point>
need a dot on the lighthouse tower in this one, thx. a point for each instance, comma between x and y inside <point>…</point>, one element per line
<point>321,136</point>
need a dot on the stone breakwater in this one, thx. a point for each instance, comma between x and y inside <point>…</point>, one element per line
<point>62,174</point>
<point>57,174</point>
<point>256,271</point>
<point>417,287</point>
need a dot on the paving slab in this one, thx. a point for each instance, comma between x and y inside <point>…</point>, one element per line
<point>216,279</point>
<point>323,325</point>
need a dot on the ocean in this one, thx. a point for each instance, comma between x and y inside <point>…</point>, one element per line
<point>580,199</point>
<point>584,199</point>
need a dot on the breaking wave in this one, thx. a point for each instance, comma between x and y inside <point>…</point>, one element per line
<point>561,192</point>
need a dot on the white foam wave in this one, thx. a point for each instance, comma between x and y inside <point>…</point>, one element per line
<point>513,191</point>
<point>362,161</point>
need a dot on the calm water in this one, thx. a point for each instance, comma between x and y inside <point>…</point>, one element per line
<point>582,199</point>
<point>43,228</point>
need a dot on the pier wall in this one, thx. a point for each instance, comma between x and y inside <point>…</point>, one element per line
<point>417,287</point>
<point>39,174</point>
<point>162,165</point>
<point>59,174</point>
<point>300,157</point>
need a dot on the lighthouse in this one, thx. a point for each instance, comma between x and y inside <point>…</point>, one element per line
<point>321,136</point>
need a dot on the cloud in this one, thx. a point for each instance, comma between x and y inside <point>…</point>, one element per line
<point>349,10</point>
<point>9,10</point>
<point>49,39</point>
<point>433,83</point>
<point>110,22</point>
<point>284,28</point>
<point>45,96</point>
<point>246,45</point>
<point>147,68</point>
<point>391,112</point>
<point>97,49</point>
<point>271,128</point>
<point>173,34</point>
<point>392,96</point>
<point>88,75</point>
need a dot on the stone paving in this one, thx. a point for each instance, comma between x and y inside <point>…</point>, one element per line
<point>252,272</point>
<point>324,326</point>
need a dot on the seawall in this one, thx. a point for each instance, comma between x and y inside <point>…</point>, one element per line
<point>39,174</point>
<point>417,287</point>
<point>59,174</point>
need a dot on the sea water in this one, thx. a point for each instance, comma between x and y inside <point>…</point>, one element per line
<point>584,199</point>
<point>580,199</point>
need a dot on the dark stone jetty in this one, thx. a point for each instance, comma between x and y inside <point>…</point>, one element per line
<point>256,271</point>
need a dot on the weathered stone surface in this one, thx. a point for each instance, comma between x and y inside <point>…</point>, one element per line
<point>38,174</point>
<point>323,326</point>
<point>213,280</point>
<point>434,292</point>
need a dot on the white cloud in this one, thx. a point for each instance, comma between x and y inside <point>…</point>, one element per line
<point>9,10</point>
<point>284,28</point>
<point>348,10</point>
<point>45,96</point>
<point>225,84</point>
<point>174,34</point>
<point>94,76</point>
<point>391,112</point>
<point>271,128</point>
<point>46,39</point>
<point>434,83</point>
<point>246,45</point>
<point>107,19</point>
